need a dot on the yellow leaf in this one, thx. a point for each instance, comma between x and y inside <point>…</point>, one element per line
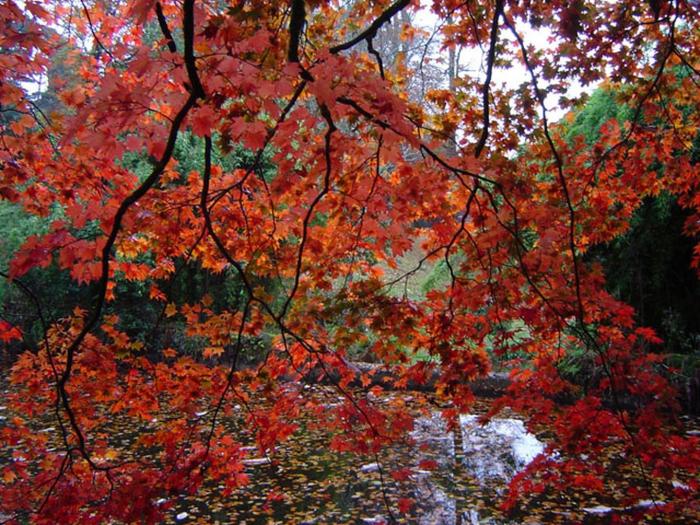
<point>9,476</point>
<point>170,310</point>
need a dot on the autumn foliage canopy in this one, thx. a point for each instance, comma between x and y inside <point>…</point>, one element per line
<point>356,158</point>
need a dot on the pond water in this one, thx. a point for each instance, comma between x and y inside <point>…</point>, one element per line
<point>457,478</point>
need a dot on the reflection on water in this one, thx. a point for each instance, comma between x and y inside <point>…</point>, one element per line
<point>492,454</point>
<point>454,479</point>
<point>433,440</point>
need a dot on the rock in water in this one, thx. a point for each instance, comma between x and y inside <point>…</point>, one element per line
<point>497,450</point>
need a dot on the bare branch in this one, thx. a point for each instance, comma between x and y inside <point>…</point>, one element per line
<point>487,83</point>
<point>92,31</point>
<point>190,65</point>
<point>371,31</point>
<point>163,23</point>
<point>296,25</point>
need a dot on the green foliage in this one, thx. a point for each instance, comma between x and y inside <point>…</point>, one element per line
<point>648,267</point>
<point>438,277</point>
<point>136,315</point>
<point>15,227</point>
<point>577,364</point>
<point>603,105</point>
<point>188,155</point>
<point>57,292</point>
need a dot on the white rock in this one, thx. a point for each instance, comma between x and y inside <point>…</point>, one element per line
<point>255,461</point>
<point>598,509</point>
<point>526,447</point>
<point>370,467</point>
<point>643,504</point>
<point>484,447</point>
<point>181,516</point>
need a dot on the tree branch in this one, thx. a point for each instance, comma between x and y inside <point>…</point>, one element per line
<point>296,25</point>
<point>163,23</point>
<point>92,31</point>
<point>133,198</point>
<point>487,82</point>
<point>307,218</point>
<point>190,65</point>
<point>371,31</point>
